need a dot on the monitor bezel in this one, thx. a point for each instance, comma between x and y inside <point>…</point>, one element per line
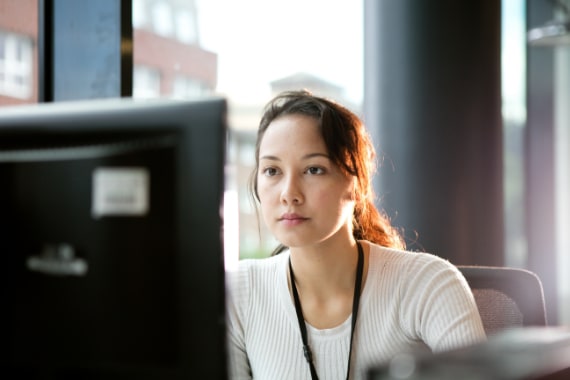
<point>200,127</point>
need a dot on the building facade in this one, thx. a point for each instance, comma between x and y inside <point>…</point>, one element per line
<point>168,60</point>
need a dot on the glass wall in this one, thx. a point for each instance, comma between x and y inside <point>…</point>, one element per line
<point>516,43</point>
<point>247,51</point>
<point>562,170</point>
<point>513,55</point>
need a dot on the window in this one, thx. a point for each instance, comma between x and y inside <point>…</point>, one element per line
<point>146,82</point>
<point>246,51</point>
<point>562,175</point>
<point>140,14</point>
<point>162,19</point>
<point>184,87</point>
<point>514,120</point>
<point>16,66</point>
<point>186,28</point>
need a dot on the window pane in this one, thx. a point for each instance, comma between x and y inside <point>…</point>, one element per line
<point>18,52</point>
<point>171,51</point>
<point>562,173</point>
<point>514,121</point>
<point>246,51</point>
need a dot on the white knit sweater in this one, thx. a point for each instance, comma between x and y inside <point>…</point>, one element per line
<point>410,302</point>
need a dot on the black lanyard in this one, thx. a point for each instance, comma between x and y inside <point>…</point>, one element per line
<point>301,319</point>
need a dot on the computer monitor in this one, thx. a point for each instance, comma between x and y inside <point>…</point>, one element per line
<point>523,353</point>
<point>111,241</point>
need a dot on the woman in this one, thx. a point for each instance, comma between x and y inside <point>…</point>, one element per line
<point>342,294</point>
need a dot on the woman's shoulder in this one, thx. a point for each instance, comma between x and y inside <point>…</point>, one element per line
<point>250,271</point>
<point>405,260</point>
<point>264,263</point>
<point>413,273</point>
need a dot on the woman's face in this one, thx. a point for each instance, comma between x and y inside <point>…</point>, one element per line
<point>305,198</point>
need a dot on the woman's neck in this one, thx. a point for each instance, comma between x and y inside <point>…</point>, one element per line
<point>324,277</point>
<point>326,268</point>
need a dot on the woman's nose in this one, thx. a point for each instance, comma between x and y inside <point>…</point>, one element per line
<point>291,192</point>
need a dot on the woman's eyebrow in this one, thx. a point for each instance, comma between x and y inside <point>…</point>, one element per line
<point>269,157</point>
<point>313,155</point>
<point>305,157</point>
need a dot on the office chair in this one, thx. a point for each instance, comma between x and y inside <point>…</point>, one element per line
<point>506,297</point>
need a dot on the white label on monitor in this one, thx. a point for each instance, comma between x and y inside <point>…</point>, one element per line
<point>120,192</point>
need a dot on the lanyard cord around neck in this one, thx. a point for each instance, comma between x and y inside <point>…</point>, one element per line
<point>355,301</point>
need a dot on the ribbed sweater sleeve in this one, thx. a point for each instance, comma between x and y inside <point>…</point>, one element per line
<point>411,301</point>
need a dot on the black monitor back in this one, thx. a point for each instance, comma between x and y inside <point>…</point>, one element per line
<point>111,239</point>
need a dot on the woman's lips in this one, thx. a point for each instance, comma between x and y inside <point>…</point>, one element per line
<point>292,219</point>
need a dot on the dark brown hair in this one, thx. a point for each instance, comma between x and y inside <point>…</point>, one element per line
<point>349,147</point>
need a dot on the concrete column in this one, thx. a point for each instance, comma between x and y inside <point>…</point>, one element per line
<point>433,104</point>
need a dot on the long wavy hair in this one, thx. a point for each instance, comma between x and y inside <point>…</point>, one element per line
<point>349,147</point>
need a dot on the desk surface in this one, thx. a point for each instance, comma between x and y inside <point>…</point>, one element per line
<point>524,353</point>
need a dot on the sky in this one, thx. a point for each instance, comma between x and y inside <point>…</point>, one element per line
<point>258,41</point>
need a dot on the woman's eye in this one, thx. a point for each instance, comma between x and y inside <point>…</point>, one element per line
<point>315,170</point>
<point>269,172</point>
